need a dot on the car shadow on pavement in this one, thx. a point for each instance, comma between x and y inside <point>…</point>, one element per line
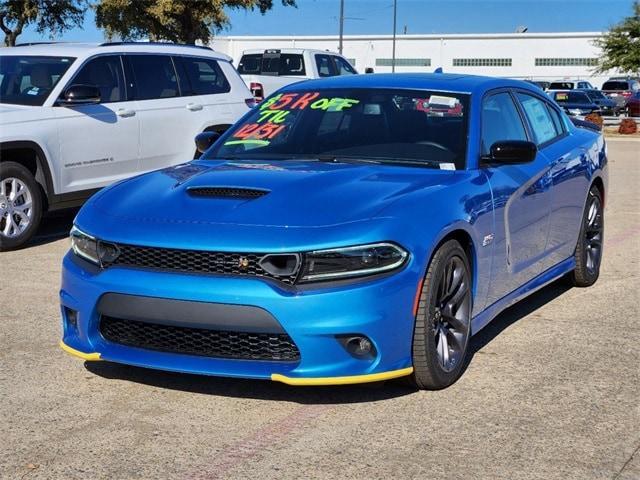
<point>54,226</point>
<point>266,390</point>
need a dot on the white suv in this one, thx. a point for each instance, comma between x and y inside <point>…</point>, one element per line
<point>77,117</point>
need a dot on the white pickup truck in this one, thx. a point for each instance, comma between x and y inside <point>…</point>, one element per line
<point>265,71</point>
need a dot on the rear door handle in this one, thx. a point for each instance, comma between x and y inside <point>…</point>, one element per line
<point>194,107</point>
<point>124,113</point>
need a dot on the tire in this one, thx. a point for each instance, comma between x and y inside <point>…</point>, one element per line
<point>18,223</point>
<point>443,320</point>
<point>588,253</point>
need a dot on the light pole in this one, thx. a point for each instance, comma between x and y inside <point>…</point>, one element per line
<point>393,55</point>
<point>341,25</point>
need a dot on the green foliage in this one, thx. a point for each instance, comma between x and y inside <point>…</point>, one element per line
<point>49,16</point>
<point>621,45</point>
<point>180,21</point>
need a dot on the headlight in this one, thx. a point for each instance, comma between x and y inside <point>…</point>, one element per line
<point>92,249</point>
<point>352,261</point>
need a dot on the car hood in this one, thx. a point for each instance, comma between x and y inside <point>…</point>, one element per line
<point>187,202</point>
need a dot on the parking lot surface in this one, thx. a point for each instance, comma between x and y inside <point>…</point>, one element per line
<point>552,391</point>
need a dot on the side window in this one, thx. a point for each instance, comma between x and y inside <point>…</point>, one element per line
<point>205,76</point>
<point>539,118</point>
<point>291,65</point>
<point>106,74</point>
<point>153,76</point>
<point>343,67</point>
<point>557,121</point>
<point>500,121</point>
<point>325,66</point>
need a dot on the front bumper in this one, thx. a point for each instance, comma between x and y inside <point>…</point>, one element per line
<point>379,308</point>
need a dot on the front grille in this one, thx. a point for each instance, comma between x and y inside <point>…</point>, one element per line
<point>200,341</point>
<point>226,192</point>
<point>196,261</point>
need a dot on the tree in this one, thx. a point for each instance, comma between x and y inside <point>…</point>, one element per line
<point>49,16</point>
<point>180,21</point>
<point>621,45</point>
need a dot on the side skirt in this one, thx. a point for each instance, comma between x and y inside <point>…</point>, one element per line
<point>483,318</point>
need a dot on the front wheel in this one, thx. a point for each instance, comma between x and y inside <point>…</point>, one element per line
<point>588,254</point>
<point>443,320</point>
<point>20,205</point>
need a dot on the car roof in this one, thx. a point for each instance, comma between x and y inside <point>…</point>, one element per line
<point>457,83</point>
<point>88,49</point>
<point>254,51</point>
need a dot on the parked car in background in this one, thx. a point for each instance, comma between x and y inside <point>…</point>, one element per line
<point>570,85</point>
<point>362,236</point>
<point>608,106</point>
<point>575,102</point>
<point>620,89</point>
<point>77,117</point>
<point>542,84</point>
<point>265,71</point>
<point>633,105</point>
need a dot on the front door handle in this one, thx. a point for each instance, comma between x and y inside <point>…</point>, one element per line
<point>194,107</point>
<point>124,113</point>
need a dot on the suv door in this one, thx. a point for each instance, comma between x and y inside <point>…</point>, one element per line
<point>325,66</point>
<point>521,198</point>
<point>98,142</point>
<point>168,120</point>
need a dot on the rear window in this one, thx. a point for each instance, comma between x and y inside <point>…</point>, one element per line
<point>561,86</point>
<point>276,64</point>
<point>615,86</point>
<point>28,80</point>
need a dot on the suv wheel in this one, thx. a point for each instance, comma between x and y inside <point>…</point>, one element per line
<point>20,205</point>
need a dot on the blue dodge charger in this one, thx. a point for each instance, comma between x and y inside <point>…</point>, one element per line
<point>345,230</point>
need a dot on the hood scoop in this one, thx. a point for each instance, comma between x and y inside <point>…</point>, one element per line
<point>237,193</point>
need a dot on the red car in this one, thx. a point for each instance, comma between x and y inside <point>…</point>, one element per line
<point>620,89</point>
<point>633,105</point>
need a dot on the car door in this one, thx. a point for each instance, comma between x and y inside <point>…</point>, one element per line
<point>521,196</point>
<point>99,143</point>
<point>167,119</point>
<point>569,177</point>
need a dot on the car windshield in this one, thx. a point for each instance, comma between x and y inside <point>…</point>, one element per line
<point>424,128</point>
<point>596,95</point>
<point>572,97</point>
<point>28,80</point>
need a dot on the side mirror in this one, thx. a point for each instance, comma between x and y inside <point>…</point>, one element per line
<point>511,152</point>
<point>368,70</point>
<point>205,139</point>
<point>80,95</point>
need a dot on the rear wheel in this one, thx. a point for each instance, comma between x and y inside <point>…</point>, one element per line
<point>443,321</point>
<point>20,205</point>
<point>588,254</point>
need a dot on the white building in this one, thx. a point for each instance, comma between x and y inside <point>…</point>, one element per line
<point>543,56</point>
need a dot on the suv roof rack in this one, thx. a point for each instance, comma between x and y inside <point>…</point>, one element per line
<point>155,44</point>
<point>29,44</point>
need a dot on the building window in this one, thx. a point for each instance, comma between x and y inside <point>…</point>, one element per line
<point>481,62</point>
<point>352,61</point>
<point>566,62</point>
<point>404,62</point>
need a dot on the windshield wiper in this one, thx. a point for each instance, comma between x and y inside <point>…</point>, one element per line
<point>377,160</point>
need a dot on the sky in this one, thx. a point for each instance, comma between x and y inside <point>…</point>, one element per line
<point>320,17</point>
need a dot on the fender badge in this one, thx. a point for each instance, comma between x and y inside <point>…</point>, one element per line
<point>487,239</point>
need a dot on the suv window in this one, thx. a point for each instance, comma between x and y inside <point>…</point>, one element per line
<point>615,85</point>
<point>344,67</point>
<point>273,63</point>
<point>500,121</point>
<point>154,76</point>
<point>104,72</point>
<point>325,66</point>
<point>536,111</point>
<point>28,80</point>
<point>205,76</point>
